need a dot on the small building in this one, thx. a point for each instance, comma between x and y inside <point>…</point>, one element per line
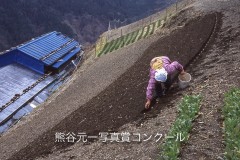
<point>31,72</point>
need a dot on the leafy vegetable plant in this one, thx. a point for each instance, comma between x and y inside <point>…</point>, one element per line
<point>231,111</point>
<point>179,132</point>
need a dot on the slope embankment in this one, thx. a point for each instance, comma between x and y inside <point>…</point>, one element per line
<point>88,82</point>
<point>214,72</point>
<point>125,97</point>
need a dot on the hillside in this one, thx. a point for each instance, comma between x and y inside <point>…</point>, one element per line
<point>109,96</point>
<point>82,20</point>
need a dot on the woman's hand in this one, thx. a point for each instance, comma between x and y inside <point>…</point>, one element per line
<point>148,103</point>
<point>182,72</point>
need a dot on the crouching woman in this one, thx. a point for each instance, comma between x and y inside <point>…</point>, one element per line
<point>161,72</point>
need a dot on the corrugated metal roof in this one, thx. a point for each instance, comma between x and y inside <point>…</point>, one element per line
<point>66,58</point>
<point>49,48</point>
<point>14,79</point>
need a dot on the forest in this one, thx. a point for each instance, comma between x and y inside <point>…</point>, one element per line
<point>83,20</point>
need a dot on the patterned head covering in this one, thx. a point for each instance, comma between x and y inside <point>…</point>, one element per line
<point>156,63</point>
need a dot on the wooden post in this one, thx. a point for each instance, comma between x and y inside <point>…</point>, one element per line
<point>96,49</point>
<point>166,14</point>
<point>176,5</point>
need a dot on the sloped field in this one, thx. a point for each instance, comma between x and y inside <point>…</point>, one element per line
<point>123,101</point>
<point>120,107</point>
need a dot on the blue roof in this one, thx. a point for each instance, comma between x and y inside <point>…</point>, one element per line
<point>66,58</point>
<point>49,48</point>
<point>42,54</point>
<point>14,79</point>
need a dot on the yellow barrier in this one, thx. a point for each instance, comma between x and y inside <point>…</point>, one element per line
<point>143,25</point>
<point>100,44</point>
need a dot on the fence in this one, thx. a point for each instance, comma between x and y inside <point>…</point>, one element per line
<point>113,34</point>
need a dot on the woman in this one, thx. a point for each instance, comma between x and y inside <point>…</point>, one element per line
<point>160,77</point>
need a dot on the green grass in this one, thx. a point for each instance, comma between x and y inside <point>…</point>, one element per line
<point>187,112</point>
<point>231,111</point>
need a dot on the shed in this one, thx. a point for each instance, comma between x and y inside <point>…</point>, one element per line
<point>47,53</point>
<point>30,70</point>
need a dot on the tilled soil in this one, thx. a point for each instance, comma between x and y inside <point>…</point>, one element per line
<point>88,81</point>
<point>216,72</point>
<point>123,101</point>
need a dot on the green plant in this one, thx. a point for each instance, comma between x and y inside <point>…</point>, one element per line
<point>187,111</point>
<point>231,111</point>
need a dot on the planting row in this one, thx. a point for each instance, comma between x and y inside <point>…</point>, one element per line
<point>187,112</point>
<point>179,132</point>
<point>231,112</point>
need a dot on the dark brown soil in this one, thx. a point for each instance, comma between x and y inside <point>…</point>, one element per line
<point>126,96</point>
<point>218,74</point>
